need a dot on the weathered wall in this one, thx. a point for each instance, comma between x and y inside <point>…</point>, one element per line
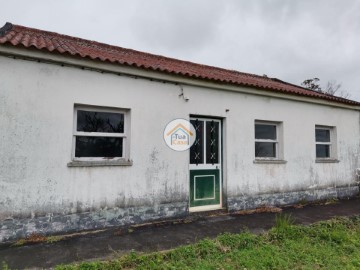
<point>36,118</point>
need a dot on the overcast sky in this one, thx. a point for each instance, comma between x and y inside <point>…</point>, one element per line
<point>287,39</point>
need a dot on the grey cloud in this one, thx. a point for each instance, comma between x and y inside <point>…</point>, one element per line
<point>290,40</point>
<point>180,26</point>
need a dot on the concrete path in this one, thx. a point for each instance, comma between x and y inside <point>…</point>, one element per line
<point>115,242</point>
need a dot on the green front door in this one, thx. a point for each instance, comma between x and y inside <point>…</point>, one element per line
<point>204,187</point>
<point>205,165</point>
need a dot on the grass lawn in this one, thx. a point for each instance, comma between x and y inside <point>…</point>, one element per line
<point>333,244</point>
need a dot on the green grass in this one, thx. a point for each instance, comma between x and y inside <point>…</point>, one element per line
<point>4,266</point>
<point>333,244</point>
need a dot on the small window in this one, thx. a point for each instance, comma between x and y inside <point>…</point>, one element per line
<point>100,134</point>
<point>267,140</point>
<point>324,142</point>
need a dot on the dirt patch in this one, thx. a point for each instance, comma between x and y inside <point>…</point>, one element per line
<point>264,209</point>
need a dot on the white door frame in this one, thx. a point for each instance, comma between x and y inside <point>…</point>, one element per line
<point>205,166</point>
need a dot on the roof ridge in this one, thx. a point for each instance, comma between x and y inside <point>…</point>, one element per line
<point>43,33</point>
<point>115,48</point>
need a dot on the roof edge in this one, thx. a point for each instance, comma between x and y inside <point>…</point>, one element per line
<point>345,100</point>
<point>6,28</point>
<point>115,47</point>
<point>31,38</point>
<point>34,55</point>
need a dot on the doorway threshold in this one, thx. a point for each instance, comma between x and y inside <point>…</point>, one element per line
<point>205,208</point>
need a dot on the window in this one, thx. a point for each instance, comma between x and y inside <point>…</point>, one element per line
<point>267,145</point>
<point>100,134</point>
<point>325,148</point>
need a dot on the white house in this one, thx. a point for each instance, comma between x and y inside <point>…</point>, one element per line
<point>82,145</point>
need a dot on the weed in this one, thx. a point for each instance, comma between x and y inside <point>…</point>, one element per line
<point>36,238</point>
<point>283,221</point>
<point>53,239</point>
<point>19,243</point>
<point>301,204</point>
<point>303,201</point>
<point>331,201</point>
<point>4,266</point>
<point>283,228</point>
<point>238,241</point>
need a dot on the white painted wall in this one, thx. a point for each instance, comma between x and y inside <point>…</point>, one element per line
<point>36,118</point>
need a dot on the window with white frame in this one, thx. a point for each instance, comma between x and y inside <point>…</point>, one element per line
<point>325,148</point>
<point>267,140</point>
<point>100,133</point>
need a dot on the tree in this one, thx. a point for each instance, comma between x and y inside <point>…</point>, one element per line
<point>332,87</point>
<point>312,84</point>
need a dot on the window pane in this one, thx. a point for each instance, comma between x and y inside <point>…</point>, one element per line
<point>265,132</point>
<point>98,147</point>
<point>322,135</point>
<point>100,122</point>
<point>322,151</point>
<point>265,149</point>
<point>197,149</point>
<point>212,142</point>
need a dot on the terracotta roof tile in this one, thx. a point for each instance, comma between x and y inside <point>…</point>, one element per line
<point>25,37</point>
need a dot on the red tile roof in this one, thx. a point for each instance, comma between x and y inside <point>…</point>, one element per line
<point>20,36</point>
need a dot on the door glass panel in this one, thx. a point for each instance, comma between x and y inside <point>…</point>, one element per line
<point>197,149</point>
<point>212,142</point>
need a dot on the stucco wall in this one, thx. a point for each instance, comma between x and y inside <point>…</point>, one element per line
<point>36,117</point>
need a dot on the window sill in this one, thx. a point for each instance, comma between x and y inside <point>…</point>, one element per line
<point>270,161</point>
<point>327,160</point>
<point>100,163</point>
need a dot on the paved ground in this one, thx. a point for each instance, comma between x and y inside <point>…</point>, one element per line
<point>115,242</point>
